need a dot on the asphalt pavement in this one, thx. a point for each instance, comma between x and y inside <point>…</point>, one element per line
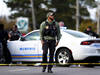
<point>37,70</point>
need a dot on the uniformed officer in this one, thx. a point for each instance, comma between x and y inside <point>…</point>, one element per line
<point>3,40</point>
<point>90,32</point>
<point>14,34</point>
<point>50,36</point>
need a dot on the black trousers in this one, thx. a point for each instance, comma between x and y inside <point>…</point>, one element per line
<point>49,45</point>
<point>6,54</point>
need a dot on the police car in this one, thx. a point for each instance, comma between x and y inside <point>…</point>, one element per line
<point>73,46</point>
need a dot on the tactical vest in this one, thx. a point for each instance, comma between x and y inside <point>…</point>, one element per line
<point>50,29</point>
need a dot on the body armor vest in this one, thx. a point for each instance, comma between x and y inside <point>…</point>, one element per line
<point>50,30</point>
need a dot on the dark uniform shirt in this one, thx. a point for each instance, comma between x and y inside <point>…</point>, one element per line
<point>3,36</point>
<point>14,35</point>
<point>91,33</point>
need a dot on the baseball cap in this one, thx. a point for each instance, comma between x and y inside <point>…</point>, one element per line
<point>50,14</point>
<point>90,27</point>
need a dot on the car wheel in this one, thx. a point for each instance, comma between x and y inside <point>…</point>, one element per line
<point>63,57</point>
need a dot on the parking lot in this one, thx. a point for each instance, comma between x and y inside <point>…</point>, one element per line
<point>37,70</point>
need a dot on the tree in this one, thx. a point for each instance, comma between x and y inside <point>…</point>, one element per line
<point>90,3</point>
<point>65,10</point>
<point>86,23</point>
<point>7,25</point>
<point>23,8</point>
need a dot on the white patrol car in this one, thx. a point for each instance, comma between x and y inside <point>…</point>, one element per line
<point>73,46</point>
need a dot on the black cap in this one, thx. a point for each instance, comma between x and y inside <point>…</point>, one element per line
<point>90,27</point>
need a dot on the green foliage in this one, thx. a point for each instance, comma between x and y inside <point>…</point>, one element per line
<point>90,3</point>
<point>86,23</point>
<point>7,25</point>
<point>65,10</point>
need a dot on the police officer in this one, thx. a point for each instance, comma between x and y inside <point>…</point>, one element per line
<point>50,36</point>
<point>3,40</point>
<point>90,32</point>
<point>14,34</point>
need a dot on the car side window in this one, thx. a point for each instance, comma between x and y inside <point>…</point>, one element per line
<point>33,36</point>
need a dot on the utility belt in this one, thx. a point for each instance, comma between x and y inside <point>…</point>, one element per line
<point>49,41</point>
<point>48,38</point>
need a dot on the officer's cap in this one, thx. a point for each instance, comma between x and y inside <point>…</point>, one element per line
<point>50,14</point>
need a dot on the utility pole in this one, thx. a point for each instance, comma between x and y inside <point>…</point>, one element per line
<point>77,15</point>
<point>98,16</point>
<point>33,15</point>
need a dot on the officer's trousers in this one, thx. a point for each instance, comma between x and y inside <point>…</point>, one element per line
<point>49,45</point>
<point>6,54</point>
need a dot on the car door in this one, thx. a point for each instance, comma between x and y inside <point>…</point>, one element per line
<point>28,48</point>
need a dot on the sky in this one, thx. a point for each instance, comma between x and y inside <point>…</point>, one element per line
<point>6,11</point>
<point>92,12</point>
<point>3,9</point>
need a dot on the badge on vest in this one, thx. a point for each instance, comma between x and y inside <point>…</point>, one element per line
<point>47,27</point>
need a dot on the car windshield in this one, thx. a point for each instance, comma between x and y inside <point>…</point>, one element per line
<point>31,36</point>
<point>77,34</point>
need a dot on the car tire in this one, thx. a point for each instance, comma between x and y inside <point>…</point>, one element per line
<point>64,57</point>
